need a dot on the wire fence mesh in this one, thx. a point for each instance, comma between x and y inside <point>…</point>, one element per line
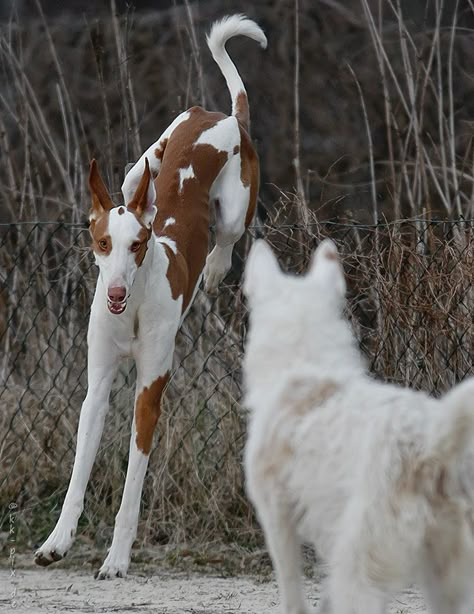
<point>411,299</point>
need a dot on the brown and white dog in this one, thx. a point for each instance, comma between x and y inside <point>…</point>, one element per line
<point>151,254</point>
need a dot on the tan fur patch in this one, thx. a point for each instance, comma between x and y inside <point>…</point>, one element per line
<point>276,457</point>
<point>147,412</point>
<point>242,111</point>
<point>302,398</point>
<point>99,232</point>
<point>177,274</point>
<point>160,150</point>
<point>249,173</point>
<point>236,150</point>
<point>331,256</point>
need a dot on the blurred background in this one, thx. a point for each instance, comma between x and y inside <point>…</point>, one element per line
<point>385,99</point>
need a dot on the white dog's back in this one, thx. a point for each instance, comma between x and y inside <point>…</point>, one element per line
<point>376,476</point>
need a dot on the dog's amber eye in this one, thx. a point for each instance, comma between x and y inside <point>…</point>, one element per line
<point>135,246</point>
<point>103,244</point>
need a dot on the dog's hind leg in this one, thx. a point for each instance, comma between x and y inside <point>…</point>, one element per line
<point>232,202</point>
<point>446,570</point>
<point>360,578</point>
<point>352,592</point>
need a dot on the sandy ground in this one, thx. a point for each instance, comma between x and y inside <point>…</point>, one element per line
<point>60,591</point>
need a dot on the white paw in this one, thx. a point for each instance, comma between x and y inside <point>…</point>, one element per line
<point>56,546</point>
<point>214,273</point>
<point>113,567</point>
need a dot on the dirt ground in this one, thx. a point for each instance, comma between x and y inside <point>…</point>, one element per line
<point>61,590</point>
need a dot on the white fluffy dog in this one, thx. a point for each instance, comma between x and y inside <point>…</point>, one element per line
<point>379,478</point>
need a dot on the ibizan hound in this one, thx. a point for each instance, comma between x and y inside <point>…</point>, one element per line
<point>379,478</point>
<point>151,254</point>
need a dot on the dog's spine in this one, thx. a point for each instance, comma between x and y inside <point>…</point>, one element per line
<point>221,32</point>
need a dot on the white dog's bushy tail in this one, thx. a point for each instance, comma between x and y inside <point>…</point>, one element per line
<point>454,429</point>
<point>221,31</point>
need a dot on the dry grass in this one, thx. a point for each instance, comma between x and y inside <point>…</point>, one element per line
<point>411,301</point>
<point>410,283</point>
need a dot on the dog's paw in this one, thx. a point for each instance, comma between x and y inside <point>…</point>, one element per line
<point>109,572</point>
<point>55,547</point>
<point>46,558</point>
<point>114,566</point>
<point>214,273</point>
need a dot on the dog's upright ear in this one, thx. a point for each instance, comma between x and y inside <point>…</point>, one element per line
<point>326,268</point>
<point>101,201</point>
<point>143,201</point>
<point>261,271</point>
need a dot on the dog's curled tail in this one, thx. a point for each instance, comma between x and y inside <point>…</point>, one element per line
<point>221,31</point>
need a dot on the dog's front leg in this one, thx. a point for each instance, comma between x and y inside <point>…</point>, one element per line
<point>153,362</point>
<point>102,364</point>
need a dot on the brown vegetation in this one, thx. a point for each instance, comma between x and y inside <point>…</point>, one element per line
<point>389,138</point>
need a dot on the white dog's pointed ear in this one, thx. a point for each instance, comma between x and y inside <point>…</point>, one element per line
<point>326,267</point>
<point>261,270</point>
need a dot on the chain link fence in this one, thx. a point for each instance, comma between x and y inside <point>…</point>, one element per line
<point>411,300</point>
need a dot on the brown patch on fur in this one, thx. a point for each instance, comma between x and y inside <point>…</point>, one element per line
<point>99,232</point>
<point>249,173</point>
<point>236,150</point>
<point>190,205</point>
<point>160,150</point>
<point>331,256</point>
<point>121,211</point>
<point>147,412</point>
<point>242,111</point>
<point>177,274</point>
<point>143,237</point>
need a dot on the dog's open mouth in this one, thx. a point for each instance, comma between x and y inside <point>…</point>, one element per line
<point>116,308</point>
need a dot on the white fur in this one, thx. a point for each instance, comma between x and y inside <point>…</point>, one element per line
<point>379,478</point>
<point>221,31</point>
<point>224,136</point>
<point>169,242</point>
<point>185,173</point>
<point>233,198</point>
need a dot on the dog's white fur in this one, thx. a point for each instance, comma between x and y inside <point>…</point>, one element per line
<point>155,292</point>
<point>379,478</point>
